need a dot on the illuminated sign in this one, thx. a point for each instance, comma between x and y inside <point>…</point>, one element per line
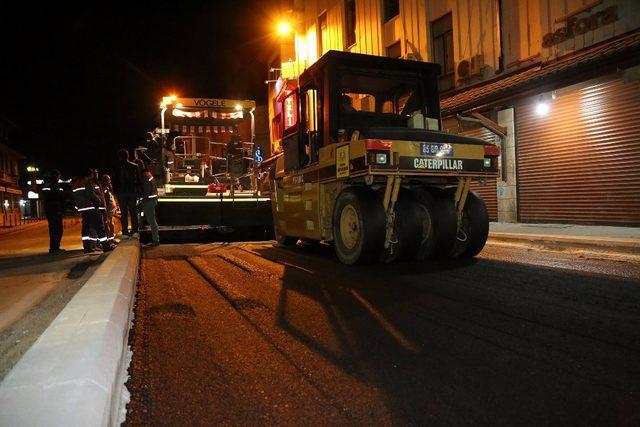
<point>257,155</point>
<point>575,26</point>
<point>215,103</point>
<point>290,111</point>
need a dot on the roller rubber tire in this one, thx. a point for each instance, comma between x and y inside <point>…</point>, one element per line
<point>446,226</point>
<point>478,225</point>
<point>428,217</point>
<point>475,224</point>
<point>407,224</point>
<point>366,240</point>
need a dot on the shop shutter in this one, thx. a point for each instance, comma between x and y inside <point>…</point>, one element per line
<point>581,161</point>
<point>488,191</point>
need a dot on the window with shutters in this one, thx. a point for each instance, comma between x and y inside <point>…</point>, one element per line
<point>391,9</point>
<point>442,42</point>
<point>323,36</point>
<point>349,23</point>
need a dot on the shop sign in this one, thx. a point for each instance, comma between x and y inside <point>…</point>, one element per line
<point>577,26</point>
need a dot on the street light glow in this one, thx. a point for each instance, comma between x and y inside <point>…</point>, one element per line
<point>168,100</point>
<point>542,108</point>
<point>284,28</point>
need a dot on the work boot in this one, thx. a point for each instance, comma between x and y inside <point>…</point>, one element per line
<point>106,247</point>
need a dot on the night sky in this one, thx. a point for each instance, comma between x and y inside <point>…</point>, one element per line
<point>80,81</point>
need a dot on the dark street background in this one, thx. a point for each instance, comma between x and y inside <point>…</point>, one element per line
<point>81,80</point>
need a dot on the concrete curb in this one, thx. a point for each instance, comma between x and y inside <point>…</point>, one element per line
<point>74,373</point>
<point>550,241</point>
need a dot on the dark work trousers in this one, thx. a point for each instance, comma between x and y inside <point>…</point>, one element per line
<point>55,230</point>
<point>149,210</point>
<point>93,233</point>
<point>127,203</point>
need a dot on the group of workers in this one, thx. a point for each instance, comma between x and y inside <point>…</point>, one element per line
<point>95,198</point>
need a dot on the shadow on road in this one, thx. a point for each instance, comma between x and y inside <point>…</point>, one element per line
<point>480,341</point>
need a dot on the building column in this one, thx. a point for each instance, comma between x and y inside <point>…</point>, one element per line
<point>507,186</point>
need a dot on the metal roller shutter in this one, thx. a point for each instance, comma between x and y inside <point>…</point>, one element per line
<point>488,191</point>
<point>581,162</point>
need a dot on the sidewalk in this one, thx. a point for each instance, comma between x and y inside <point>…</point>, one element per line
<point>35,286</point>
<point>587,238</point>
<point>75,372</point>
<point>35,224</point>
<point>21,227</point>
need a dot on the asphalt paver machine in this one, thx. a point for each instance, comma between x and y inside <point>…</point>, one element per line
<point>202,161</point>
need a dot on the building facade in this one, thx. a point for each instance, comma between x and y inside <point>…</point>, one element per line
<point>560,79</point>
<point>10,192</point>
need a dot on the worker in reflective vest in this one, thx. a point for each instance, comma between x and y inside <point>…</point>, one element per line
<point>88,203</point>
<point>111,206</point>
<point>53,200</point>
<point>149,202</point>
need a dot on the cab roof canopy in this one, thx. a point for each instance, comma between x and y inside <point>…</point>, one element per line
<point>334,59</point>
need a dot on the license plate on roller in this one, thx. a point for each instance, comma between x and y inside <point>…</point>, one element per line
<point>436,150</point>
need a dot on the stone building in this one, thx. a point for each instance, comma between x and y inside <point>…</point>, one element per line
<point>559,80</point>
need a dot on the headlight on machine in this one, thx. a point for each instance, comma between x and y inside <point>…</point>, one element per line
<point>487,162</point>
<point>378,158</point>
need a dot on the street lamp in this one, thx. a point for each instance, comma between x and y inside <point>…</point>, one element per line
<point>284,28</point>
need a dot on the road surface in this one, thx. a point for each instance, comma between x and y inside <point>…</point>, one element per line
<point>246,334</point>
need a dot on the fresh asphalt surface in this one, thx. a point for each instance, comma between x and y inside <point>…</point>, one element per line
<point>246,334</point>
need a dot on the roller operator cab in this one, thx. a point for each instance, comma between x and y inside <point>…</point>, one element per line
<point>366,166</point>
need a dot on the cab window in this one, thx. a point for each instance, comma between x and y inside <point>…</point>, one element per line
<point>352,101</point>
<point>311,135</point>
